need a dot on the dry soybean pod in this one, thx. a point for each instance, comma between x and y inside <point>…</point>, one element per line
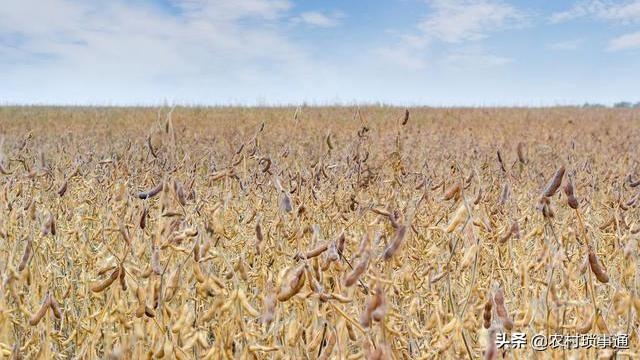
<point>597,267</point>
<point>55,307</point>
<point>26,255</point>
<point>152,192</point>
<point>42,311</point>
<point>101,285</point>
<point>554,183</point>
<point>501,310</point>
<point>358,270</point>
<point>292,284</point>
<point>395,243</point>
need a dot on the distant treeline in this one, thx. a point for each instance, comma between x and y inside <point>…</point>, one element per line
<point>621,105</point>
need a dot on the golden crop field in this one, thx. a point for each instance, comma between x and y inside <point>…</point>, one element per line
<point>317,232</point>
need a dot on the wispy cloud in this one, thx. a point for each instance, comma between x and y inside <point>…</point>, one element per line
<point>475,60</point>
<point>456,21</point>
<point>626,13</point>
<point>566,45</point>
<point>319,19</point>
<point>191,50</point>
<point>578,10</point>
<point>62,26</point>
<point>232,10</point>
<point>625,42</point>
<point>616,13</point>
<point>621,12</point>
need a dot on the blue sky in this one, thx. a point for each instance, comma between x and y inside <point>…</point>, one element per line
<point>404,52</point>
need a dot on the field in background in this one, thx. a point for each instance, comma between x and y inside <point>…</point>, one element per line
<point>315,232</point>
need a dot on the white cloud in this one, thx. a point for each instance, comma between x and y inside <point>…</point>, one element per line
<point>122,51</point>
<point>578,10</point>
<point>624,13</point>
<point>319,19</point>
<point>566,45</point>
<point>625,42</point>
<point>217,10</point>
<point>456,21</point>
<point>619,12</point>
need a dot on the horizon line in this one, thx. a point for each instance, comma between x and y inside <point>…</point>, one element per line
<point>304,104</point>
